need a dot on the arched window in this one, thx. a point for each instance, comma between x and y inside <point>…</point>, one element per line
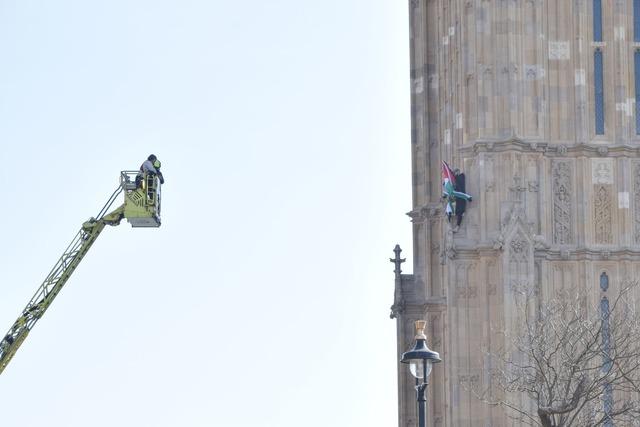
<point>598,90</point>
<point>604,282</point>
<point>597,20</point>
<point>636,21</point>
<point>607,398</point>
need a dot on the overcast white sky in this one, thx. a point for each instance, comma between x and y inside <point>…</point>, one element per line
<point>283,128</point>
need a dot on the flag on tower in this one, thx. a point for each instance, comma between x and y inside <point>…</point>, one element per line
<point>448,185</point>
<point>449,182</point>
<point>449,189</point>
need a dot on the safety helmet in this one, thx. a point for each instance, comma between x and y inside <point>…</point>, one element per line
<point>157,164</point>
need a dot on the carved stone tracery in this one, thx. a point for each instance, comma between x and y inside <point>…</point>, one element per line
<point>602,206</point>
<point>519,248</point>
<point>602,176</point>
<point>562,204</point>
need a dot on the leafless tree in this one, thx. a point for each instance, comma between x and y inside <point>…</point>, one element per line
<point>571,361</point>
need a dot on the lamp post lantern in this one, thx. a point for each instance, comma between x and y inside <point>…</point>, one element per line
<point>420,359</point>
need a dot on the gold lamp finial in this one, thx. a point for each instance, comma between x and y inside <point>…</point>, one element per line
<point>420,326</point>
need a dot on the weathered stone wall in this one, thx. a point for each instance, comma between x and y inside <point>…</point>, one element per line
<point>506,91</point>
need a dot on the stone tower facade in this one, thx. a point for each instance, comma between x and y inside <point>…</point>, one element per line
<point>536,102</point>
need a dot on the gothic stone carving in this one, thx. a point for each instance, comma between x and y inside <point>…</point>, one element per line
<point>450,249</point>
<point>464,291</point>
<point>602,206</point>
<point>519,248</point>
<point>601,172</point>
<point>562,205</point>
<point>603,203</point>
<point>603,151</point>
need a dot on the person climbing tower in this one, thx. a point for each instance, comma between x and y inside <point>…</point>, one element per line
<point>453,189</point>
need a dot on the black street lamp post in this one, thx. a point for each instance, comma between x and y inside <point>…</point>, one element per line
<point>420,359</point>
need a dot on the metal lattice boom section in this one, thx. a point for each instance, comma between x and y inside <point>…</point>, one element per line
<point>56,279</point>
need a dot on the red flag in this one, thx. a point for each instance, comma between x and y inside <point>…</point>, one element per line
<point>449,180</point>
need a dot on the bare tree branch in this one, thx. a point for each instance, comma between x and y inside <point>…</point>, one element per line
<point>570,361</point>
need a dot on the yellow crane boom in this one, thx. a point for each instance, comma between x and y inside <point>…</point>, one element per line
<point>141,208</point>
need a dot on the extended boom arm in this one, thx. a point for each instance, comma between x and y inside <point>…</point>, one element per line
<point>142,207</point>
<point>52,285</point>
